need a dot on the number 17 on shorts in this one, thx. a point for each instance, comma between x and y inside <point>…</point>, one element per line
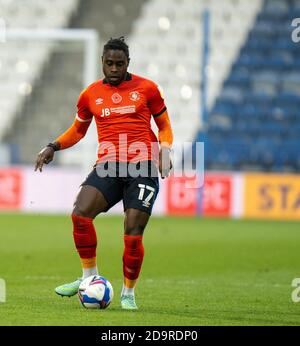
<point>146,194</point>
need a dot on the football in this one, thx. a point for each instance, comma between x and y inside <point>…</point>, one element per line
<point>95,292</point>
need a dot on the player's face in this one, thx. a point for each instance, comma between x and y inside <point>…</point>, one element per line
<point>115,64</point>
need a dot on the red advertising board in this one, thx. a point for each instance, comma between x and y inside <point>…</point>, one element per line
<point>10,189</point>
<point>215,198</point>
<point>180,198</point>
<point>217,195</point>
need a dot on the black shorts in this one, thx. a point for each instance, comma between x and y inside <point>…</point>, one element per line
<point>136,184</point>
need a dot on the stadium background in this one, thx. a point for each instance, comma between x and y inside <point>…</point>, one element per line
<point>230,74</point>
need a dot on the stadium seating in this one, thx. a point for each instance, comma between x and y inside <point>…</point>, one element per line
<point>22,61</point>
<point>254,122</point>
<point>58,82</point>
<point>166,46</point>
<point>253,74</point>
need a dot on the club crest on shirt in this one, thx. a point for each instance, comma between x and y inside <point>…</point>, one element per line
<point>116,98</point>
<point>134,96</point>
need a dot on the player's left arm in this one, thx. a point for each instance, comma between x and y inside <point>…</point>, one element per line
<point>159,111</point>
<point>165,138</point>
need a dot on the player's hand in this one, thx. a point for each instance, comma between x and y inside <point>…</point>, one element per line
<point>45,156</point>
<point>165,162</point>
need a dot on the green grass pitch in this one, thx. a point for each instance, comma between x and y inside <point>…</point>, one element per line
<point>195,272</point>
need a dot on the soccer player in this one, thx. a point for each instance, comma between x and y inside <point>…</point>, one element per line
<point>122,105</point>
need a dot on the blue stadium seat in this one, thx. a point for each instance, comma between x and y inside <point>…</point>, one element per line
<point>256,117</point>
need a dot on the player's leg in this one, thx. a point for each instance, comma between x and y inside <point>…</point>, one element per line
<point>139,197</point>
<point>96,195</point>
<point>134,226</point>
<point>88,204</point>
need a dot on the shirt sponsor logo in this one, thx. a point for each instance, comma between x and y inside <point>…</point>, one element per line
<point>134,96</point>
<point>123,110</point>
<point>116,98</point>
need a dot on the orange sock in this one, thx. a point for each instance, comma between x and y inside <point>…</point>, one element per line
<point>129,283</point>
<point>89,267</point>
<point>87,263</point>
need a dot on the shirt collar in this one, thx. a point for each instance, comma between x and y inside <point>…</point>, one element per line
<point>127,78</point>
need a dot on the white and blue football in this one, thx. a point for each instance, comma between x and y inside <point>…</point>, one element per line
<point>95,292</point>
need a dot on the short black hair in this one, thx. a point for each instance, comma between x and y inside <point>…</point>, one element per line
<point>117,44</point>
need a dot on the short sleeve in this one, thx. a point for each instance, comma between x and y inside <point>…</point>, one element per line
<point>83,112</point>
<point>156,102</point>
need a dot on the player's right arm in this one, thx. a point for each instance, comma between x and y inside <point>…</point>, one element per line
<point>70,137</point>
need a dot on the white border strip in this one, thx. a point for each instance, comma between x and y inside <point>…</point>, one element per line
<point>83,121</point>
<point>237,195</point>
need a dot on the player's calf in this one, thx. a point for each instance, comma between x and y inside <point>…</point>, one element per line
<point>85,239</point>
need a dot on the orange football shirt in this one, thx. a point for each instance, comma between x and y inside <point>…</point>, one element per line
<point>123,117</point>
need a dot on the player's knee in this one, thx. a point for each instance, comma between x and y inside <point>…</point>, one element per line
<point>83,212</point>
<point>134,229</point>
